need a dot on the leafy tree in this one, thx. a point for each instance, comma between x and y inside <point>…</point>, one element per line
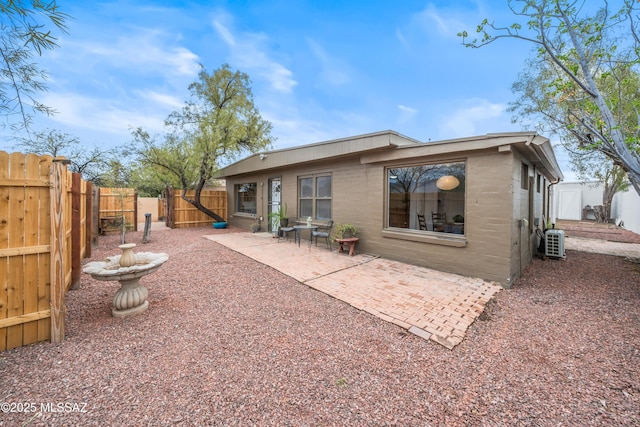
<point>219,121</point>
<point>149,180</point>
<point>25,30</point>
<point>556,117</point>
<point>587,69</point>
<point>116,174</point>
<point>93,164</point>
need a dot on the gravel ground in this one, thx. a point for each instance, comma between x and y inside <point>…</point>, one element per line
<point>228,341</point>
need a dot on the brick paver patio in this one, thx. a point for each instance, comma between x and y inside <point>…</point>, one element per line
<point>431,304</point>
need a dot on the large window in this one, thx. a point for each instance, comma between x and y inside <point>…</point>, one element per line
<point>246,198</point>
<point>428,198</point>
<point>314,195</point>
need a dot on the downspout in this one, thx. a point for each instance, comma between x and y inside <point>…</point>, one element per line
<point>549,199</point>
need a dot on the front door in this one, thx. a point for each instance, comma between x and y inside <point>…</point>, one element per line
<point>275,199</point>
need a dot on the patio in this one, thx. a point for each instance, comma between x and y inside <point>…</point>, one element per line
<point>432,304</point>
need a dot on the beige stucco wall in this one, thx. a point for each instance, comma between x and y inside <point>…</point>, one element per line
<point>490,248</point>
<point>147,205</point>
<point>524,238</point>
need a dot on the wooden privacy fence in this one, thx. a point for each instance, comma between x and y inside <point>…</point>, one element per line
<point>43,237</point>
<point>114,204</point>
<point>181,214</point>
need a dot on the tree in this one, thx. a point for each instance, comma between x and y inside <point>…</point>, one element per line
<point>93,164</point>
<point>555,116</point>
<point>150,181</point>
<point>595,165</point>
<point>219,121</point>
<point>588,65</point>
<point>25,32</point>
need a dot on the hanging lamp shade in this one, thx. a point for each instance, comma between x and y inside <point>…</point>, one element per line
<point>447,182</point>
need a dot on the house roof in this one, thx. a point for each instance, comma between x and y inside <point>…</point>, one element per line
<point>321,151</point>
<point>389,146</point>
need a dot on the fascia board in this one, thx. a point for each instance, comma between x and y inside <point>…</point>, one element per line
<point>449,147</point>
<point>316,152</point>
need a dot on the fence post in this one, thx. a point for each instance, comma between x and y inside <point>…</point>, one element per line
<point>58,248</point>
<point>95,215</point>
<point>88,220</point>
<point>76,244</point>
<point>170,203</point>
<point>135,211</point>
<point>147,228</point>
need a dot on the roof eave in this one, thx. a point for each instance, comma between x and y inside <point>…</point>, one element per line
<point>322,151</point>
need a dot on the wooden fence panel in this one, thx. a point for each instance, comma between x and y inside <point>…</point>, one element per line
<point>4,245</point>
<point>30,261</point>
<point>36,253</point>
<point>16,240</point>
<point>24,247</point>
<point>184,215</point>
<point>44,258</point>
<point>116,202</point>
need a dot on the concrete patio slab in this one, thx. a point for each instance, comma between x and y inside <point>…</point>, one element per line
<point>630,250</point>
<point>434,305</point>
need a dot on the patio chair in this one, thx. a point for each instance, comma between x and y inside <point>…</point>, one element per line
<point>323,233</point>
<point>439,220</point>
<point>284,232</point>
<point>422,223</point>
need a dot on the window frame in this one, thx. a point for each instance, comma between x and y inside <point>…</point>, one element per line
<point>236,199</point>
<point>524,176</point>
<point>314,198</point>
<point>417,235</point>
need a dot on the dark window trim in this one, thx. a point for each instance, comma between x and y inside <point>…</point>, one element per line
<point>424,236</point>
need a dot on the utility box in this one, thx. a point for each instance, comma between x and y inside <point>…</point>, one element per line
<point>554,244</point>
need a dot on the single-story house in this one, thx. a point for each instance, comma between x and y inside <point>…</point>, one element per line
<point>468,206</point>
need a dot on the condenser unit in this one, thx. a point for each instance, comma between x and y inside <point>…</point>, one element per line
<point>554,243</point>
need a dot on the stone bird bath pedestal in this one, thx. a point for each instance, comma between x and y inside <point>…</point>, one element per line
<point>127,269</point>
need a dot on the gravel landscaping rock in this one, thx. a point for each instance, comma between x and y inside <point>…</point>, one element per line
<point>228,341</point>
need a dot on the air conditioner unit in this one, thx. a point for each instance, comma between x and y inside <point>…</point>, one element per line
<point>554,243</point>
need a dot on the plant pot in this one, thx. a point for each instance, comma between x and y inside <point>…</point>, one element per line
<point>220,224</point>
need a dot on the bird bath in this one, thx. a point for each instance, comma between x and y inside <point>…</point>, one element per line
<point>127,269</point>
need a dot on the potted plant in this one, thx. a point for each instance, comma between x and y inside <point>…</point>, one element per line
<point>344,231</point>
<point>280,215</point>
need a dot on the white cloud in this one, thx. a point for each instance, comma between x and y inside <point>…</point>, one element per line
<point>407,114</point>
<point>332,71</point>
<point>224,33</point>
<point>162,98</point>
<point>248,52</point>
<point>103,116</point>
<point>401,38</point>
<point>444,23</point>
<point>145,51</point>
<point>476,117</point>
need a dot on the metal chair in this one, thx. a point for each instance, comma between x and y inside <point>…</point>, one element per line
<point>284,232</point>
<point>323,233</point>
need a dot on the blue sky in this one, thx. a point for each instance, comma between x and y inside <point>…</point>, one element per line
<point>319,69</point>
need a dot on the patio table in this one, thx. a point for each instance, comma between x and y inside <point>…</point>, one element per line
<point>298,230</point>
